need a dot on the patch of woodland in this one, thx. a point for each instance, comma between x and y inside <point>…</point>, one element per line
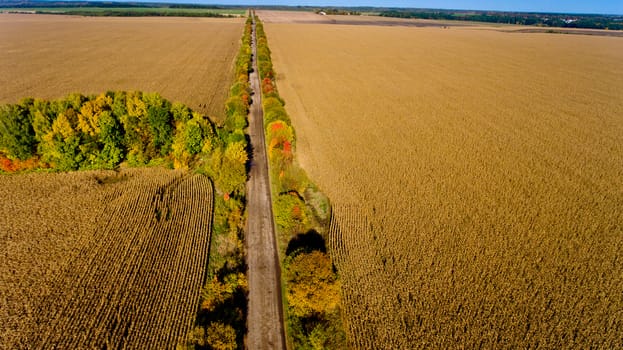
<point>302,214</point>
<point>100,132</point>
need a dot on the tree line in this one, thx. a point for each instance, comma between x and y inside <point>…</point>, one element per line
<point>101,131</point>
<point>118,9</point>
<point>130,12</point>
<point>302,213</point>
<point>518,18</point>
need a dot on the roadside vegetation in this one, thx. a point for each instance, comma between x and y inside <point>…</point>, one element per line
<point>221,318</point>
<point>302,214</point>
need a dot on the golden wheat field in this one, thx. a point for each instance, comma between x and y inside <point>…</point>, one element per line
<point>476,178</point>
<point>189,60</point>
<point>102,259</point>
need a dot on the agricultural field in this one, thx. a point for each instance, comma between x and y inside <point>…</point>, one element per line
<point>476,178</point>
<point>130,11</point>
<point>102,259</point>
<point>188,60</point>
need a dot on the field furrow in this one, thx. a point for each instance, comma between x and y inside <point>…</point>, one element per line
<point>135,283</point>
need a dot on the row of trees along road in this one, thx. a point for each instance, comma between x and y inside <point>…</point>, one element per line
<point>302,213</point>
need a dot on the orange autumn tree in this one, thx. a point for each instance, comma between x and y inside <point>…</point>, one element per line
<point>281,139</point>
<point>267,86</point>
<point>12,165</point>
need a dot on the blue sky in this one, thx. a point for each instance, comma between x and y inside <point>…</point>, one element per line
<point>567,6</point>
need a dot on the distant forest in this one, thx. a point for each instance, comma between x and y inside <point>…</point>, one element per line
<point>112,8</point>
<point>105,4</point>
<point>119,9</point>
<point>611,22</point>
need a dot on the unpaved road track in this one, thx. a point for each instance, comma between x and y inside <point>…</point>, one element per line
<point>265,318</point>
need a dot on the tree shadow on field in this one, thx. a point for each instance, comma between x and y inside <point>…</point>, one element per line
<point>306,243</point>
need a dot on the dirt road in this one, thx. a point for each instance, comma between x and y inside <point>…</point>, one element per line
<point>265,318</point>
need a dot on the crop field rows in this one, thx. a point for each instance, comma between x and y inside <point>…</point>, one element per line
<point>188,60</point>
<point>130,279</point>
<point>475,180</point>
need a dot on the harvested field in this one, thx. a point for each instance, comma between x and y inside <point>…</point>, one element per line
<point>102,259</point>
<point>476,178</point>
<point>189,60</point>
<point>270,16</point>
<point>291,17</point>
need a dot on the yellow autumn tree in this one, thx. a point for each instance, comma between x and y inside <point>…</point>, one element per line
<point>218,292</point>
<point>59,146</point>
<point>312,286</point>
<point>220,336</point>
<point>90,112</point>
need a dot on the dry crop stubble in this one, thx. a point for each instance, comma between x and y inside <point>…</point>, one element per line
<point>189,60</point>
<point>102,259</point>
<point>476,177</point>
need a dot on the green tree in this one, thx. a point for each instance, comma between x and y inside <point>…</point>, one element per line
<point>236,110</point>
<point>193,136</point>
<point>89,127</point>
<point>41,124</point>
<point>43,115</point>
<point>61,145</point>
<point>119,104</point>
<point>111,140</point>
<point>160,122</point>
<point>180,112</point>
<point>17,137</point>
<point>291,213</point>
